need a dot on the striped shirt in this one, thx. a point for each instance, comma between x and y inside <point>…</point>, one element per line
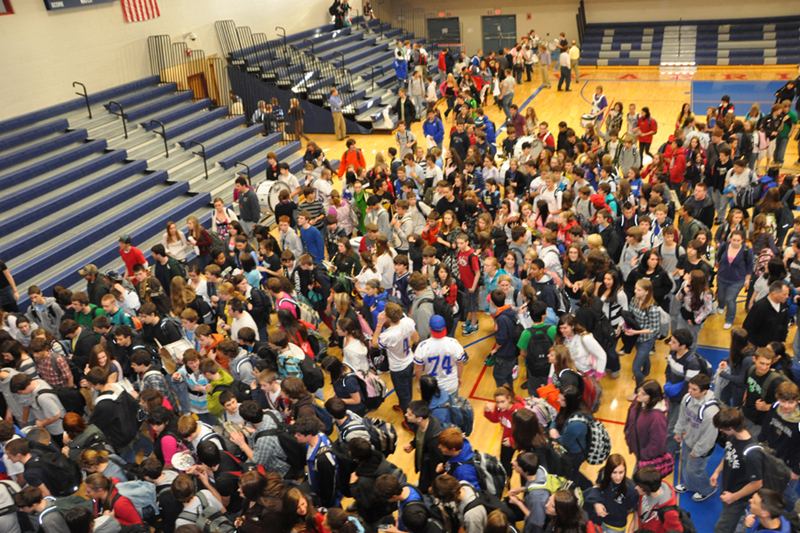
<point>316,209</point>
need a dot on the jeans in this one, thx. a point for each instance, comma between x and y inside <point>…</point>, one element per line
<point>248,227</point>
<point>727,294</point>
<point>720,203</point>
<point>612,358</point>
<point>790,494</point>
<point>507,99</point>
<point>730,516</point>
<point>528,70</point>
<point>694,328</point>
<point>780,149</point>
<point>565,76</point>
<point>693,471</point>
<point>518,76</point>
<point>503,371</point>
<point>451,100</point>
<point>419,105</point>
<point>751,160</point>
<point>141,443</point>
<point>641,363</point>
<point>554,58</point>
<point>534,383</point>
<point>403,382</point>
<point>182,392</point>
<point>672,420</point>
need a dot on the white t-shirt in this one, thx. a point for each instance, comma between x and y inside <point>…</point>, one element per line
<point>289,180</point>
<point>324,189</point>
<point>439,357</point>
<point>368,275</point>
<point>385,265</point>
<point>245,322</point>
<point>354,355</point>
<point>553,199</point>
<point>397,342</point>
<point>537,185</point>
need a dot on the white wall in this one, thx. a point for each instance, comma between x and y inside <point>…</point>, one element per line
<point>43,52</point>
<point>546,16</point>
<point>605,11</point>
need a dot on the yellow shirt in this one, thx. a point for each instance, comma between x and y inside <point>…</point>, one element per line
<point>574,53</point>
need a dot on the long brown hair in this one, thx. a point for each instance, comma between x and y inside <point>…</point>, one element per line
<point>648,301</point>
<point>98,481</point>
<point>563,358</point>
<point>652,388</point>
<point>526,430</point>
<point>290,502</point>
<point>615,460</point>
<point>698,283</point>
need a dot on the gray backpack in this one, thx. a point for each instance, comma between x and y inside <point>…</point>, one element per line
<point>209,520</point>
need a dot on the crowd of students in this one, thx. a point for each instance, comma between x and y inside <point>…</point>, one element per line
<point>170,395</point>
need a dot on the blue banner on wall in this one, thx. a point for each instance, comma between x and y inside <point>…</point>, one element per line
<point>63,4</point>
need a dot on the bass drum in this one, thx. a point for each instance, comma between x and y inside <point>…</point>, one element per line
<point>552,45</point>
<point>267,192</point>
<point>355,242</point>
<point>175,350</point>
<point>536,146</point>
<point>586,120</point>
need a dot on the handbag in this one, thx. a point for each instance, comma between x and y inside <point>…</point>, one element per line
<point>665,464</point>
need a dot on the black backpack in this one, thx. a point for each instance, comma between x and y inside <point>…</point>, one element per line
<point>536,353</point>
<point>63,475</point>
<point>685,518</point>
<point>313,378</point>
<point>261,317</point>
<point>239,389</point>
<point>295,452</point>
<point>490,502</point>
<point>603,332</point>
<point>71,399</point>
<point>441,308</point>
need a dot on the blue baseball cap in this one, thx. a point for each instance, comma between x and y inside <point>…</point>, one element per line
<point>438,327</point>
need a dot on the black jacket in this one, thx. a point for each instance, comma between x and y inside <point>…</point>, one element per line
<point>116,415</point>
<point>96,289</point>
<point>765,325</point>
<point>611,242</point>
<point>83,349</point>
<point>661,280</point>
<point>703,211</point>
<point>410,110</point>
<point>430,455</point>
<point>369,507</point>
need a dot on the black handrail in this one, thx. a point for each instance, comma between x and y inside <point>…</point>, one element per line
<point>163,134</point>
<point>284,33</point>
<point>203,153</point>
<point>340,54</point>
<point>85,94</point>
<point>121,114</point>
<point>239,163</point>
<point>312,45</point>
<point>373,67</point>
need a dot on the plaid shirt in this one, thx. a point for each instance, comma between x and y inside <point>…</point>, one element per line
<point>56,377</point>
<point>267,451</point>
<point>647,319</point>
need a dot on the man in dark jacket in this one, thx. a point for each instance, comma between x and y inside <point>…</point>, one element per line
<point>609,234</point>
<point>115,413</point>
<point>543,283</point>
<point>157,328</point>
<point>428,456</point>
<point>370,464</point>
<point>166,267</point>
<point>96,286</point>
<point>718,163</point>
<point>123,341</point>
<point>83,340</point>
<point>703,204</point>
<point>505,349</point>
<point>249,210</point>
<point>323,467</point>
<point>768,320</point>
<point>682,366</point>
<point>404,107</point>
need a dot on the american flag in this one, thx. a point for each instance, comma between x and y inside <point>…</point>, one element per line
<point>139,10</point>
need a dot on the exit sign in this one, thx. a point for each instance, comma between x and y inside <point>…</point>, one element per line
<point>496,11</point>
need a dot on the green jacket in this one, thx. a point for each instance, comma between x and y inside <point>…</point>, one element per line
<point>214,407</point>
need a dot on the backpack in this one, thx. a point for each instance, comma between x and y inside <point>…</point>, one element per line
<point>304,311</point>
<point>373,391</point>
<point>554,483</point>
<point>63,505</point>
<point>490,502</point>
<point>764,257</point>
<point>592,392</point>
<point>382,434</point>
<point>378,360</point>
<point>63,475</point>
<point>461,414</point>
<point>313,378</point>
<point>230,447</point>
<point>441,308</point>
<point>241,391</point>
<point>318,344</point>
<point>685,518</point>
<point>598,443</point>
<point>171,396</point>
<point>324,417</point>
<point>491,474</point>
<point>705,365</point>
<point>664,323</point>
<point>536,352</point>
<point>603,332</point>
<point>142,495</point>
<point>563,303</point>
<point>124,403</point>
<point>209,520</point>
<point>216,244</point>
<point>771,376</point>
<point>7,500</point>
<point>561,458</point>
<point>71,399</point>
<point>295,452</point>
<point>545,412</point>
<point>775,473</point>
<point>440,518</point>
<point>747,196</point>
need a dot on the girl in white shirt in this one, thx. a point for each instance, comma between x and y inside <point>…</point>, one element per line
<point>174,242</point>
<point>586,352</point>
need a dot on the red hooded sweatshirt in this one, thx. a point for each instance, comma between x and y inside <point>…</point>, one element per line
<point>504,419</point>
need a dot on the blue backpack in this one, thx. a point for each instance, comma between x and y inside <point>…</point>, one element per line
<point>324,417</point>
<point>142,495</point>
<point>461,414</point>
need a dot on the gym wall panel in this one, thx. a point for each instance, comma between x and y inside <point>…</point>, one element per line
<point>44,51</point>
<point>546,17</point>
<point>607,11</point>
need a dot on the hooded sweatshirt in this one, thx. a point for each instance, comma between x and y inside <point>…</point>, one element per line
<point>782,433</point>
<point>651,427</point>
<point>48,316</point>
<point>504,322</point>
<point>214,407</point>
<point>545,290</point>
<point>695,423</point>
<point>648,506</point>
<point>369,507</point>
<point>464,472</point>
<point>504,419</point>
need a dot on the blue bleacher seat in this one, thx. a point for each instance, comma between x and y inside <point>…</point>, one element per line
<point>42,148</point>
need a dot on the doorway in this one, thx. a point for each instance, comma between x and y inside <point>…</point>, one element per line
<point>499,31</point>
<point>444,30</point>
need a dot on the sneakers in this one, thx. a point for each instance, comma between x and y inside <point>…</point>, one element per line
<point>680,489</point>
<point>727,325</point>
<point>396,407</point>
<point>469,330</point>
<point>615,375</point>
<point>697,497</point>
<point>721,311</point>
<point>407,428</point>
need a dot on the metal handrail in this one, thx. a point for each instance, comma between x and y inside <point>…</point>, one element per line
<point>85,94</point>
<point>240,163</point>
<point>203,153</point>
<point>380,67</point>
<point>163,134</point>
<point>312,45</point>
<point>121,114</point>
<point>341,54</point>
<point>284,33</point>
